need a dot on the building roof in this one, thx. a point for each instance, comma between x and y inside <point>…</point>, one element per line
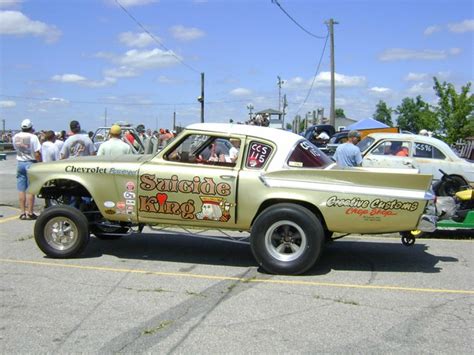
<point>269,111</point>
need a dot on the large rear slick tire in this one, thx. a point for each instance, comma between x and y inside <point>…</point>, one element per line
<point>287,239</point>
<point>62,232</point>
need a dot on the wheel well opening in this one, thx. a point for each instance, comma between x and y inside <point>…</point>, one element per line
<point>307,205</point>
<point>62,187</point>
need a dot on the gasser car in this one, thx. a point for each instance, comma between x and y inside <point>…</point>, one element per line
<point>272,183</point>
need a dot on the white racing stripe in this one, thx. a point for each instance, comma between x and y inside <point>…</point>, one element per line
<point>355,190</point>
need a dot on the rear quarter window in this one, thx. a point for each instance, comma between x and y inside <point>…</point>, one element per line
<point>307,155</point>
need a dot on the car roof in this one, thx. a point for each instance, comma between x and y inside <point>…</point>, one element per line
<point>284,140</point>
<point>272,134</point>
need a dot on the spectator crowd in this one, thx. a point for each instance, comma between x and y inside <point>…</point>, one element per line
<point>46,146</point>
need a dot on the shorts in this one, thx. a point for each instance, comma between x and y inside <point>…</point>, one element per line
<point>21,175</point>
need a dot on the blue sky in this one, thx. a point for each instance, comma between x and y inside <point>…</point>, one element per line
<point>62,60</point>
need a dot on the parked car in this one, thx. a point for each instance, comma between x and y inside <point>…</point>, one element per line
<point>129,135</point>
<point>412,151</point>
<point>289,195</point>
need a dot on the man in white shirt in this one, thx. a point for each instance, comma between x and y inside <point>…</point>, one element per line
<point>114,146</point>
<point>234,151</point>
<point>27,148</point>
<point>49,150</point>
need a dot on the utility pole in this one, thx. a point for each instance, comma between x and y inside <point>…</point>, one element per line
<point>3,125</point>
<point>250,108</point>
<point>174,120</point>
<point>105,117</point>
<point>332,114</point>
<point>201,98</point>
<point>285,105</point>
<point>279,83</point>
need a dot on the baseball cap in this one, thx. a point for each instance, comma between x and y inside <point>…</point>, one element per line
<point>25,124</point>
<point>75,126</point>
<point>353,134</point>
<point>115,129</point>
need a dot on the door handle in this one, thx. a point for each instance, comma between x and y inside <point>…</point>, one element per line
<point>227,177</point>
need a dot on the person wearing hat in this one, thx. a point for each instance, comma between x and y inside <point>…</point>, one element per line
<point>77,144</point>
<point>28,151</point>
<point>114,146</point>
<point>348,154</point>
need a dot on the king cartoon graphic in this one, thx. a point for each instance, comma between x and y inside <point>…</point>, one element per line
<point>211,208</point>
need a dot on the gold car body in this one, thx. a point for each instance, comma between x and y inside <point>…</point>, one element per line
<point>161,190</point>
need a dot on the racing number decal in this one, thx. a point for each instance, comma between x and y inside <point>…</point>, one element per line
<point>257,155</point>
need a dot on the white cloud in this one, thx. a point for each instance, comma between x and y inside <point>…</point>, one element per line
<point>80,80</point>
<point>139,40</point>
<point>240,92</point>
<point>121,72</point>
<point>410,54</point>
<point>420,89</point>
<point>17,24</point>
<point>186,33</point>
<point>341,80</point>
<point>10,3</point>
<point>7,104</point>
<point>131,3</point>
<point>431,29</point>
<point>455,51</point>
<point>461,27</point>
<point>155,58</point>
<point>416,76</point>
<point>379,90</point>
<point>324,80</point>
<point>166,80</point>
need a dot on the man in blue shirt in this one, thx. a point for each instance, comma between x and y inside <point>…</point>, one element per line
<point>348,154</point>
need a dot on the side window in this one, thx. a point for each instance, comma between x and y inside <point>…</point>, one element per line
<point>394,148</point>
<point>437,154</point>
<point>424,150</point>
<point>257,155</point>
<point>205,149</point>
<point>306,155</point>
<point>382,149</point>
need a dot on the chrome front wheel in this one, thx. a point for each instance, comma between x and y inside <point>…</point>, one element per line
<point>62,231</point>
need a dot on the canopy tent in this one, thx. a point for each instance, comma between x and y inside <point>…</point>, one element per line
<point>366,123</point>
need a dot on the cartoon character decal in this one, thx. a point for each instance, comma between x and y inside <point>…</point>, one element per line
<point>214,206</point>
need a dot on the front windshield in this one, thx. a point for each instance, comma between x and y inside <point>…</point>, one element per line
<point>365,143</point>
<point>307,155</point>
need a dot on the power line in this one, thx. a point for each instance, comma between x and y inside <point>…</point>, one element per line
<point>154,38</point>
<point>315,75</point>
<point>49,100</point>
<point>296,22</point>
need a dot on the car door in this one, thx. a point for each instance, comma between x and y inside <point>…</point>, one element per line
<point>430,159</point>
<point>179,186</point>
<point>390,153</point>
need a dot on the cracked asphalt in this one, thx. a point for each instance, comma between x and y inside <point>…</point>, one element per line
<point>170,293</point>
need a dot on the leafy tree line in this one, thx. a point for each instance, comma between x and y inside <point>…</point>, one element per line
<point>452,117</point>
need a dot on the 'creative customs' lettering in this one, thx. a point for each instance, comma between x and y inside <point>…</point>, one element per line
<point>206,186</point>
<point>376,207</point>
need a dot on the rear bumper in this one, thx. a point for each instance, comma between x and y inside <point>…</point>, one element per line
<point>427,223</point>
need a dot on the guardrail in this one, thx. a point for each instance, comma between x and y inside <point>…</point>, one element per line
<point>6,146</point>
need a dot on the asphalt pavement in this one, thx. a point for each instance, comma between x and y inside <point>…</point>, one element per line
<point>168,292</point>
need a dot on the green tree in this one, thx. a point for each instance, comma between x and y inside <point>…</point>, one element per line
<point>455,110</point>
<point>383,113</point>
<point>340,113</point>
<point>415,115</point>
